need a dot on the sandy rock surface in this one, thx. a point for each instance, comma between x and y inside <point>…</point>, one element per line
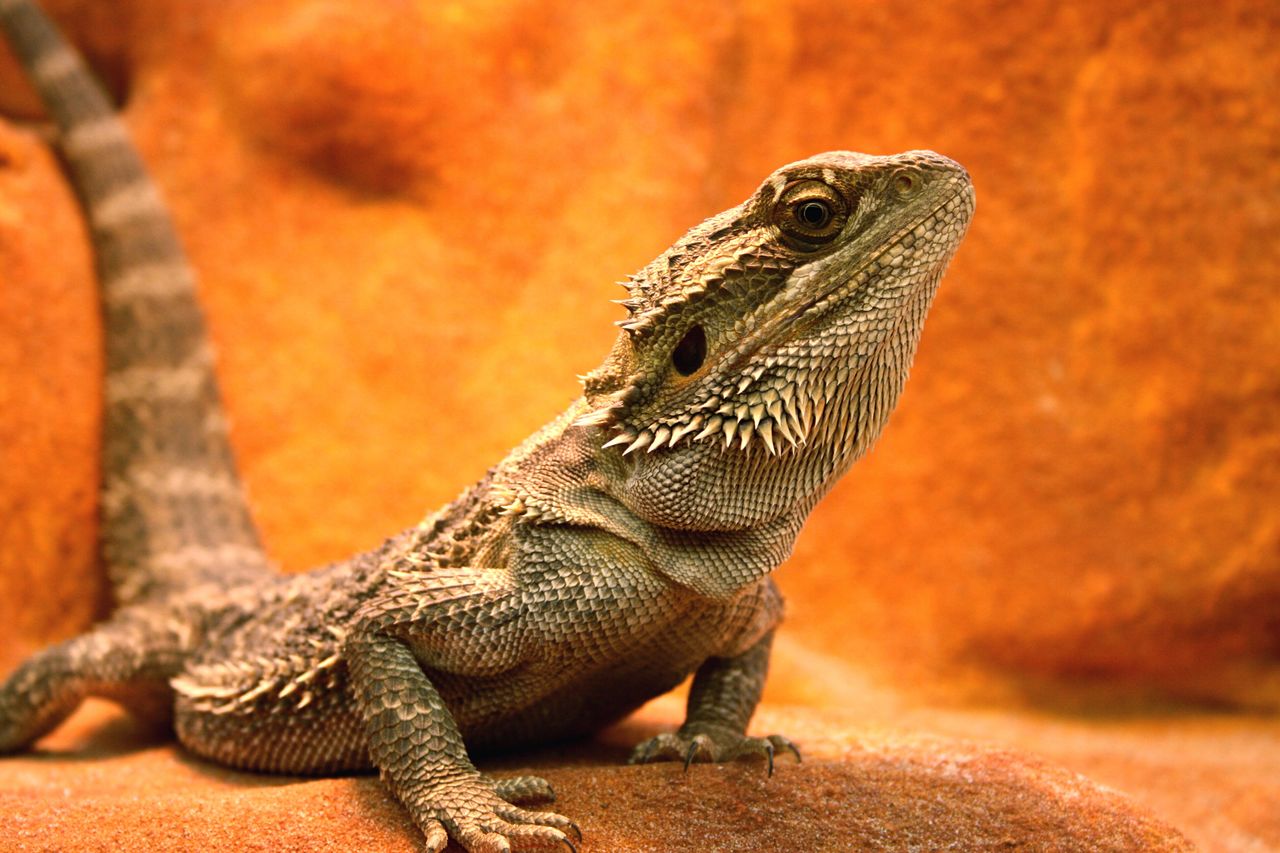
<point>856,790</point>
<point>407,218</point>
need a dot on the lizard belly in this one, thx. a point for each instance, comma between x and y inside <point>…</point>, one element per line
<point>577,680</point>
<point>547,703</point>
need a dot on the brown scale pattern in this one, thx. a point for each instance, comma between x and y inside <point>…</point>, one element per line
<point>575,581</point>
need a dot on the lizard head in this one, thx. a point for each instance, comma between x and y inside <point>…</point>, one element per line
<point>763,352</point>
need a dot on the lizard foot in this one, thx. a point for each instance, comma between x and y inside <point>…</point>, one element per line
<point>694,742</point>
<point>477,814</point>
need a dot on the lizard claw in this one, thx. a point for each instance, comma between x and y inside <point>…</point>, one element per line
<point>775,743</point>
<point>711,743</point>
<point>785,744</point>
<point>643,752</point>
<point>475,813</point>
<point>701,744</point>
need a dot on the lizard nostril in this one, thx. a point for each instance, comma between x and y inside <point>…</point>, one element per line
<point>906,183</point>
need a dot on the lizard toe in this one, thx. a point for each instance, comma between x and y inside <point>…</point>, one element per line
<point>480,841</point>
<point>712,744</point>
<point>436,837</point>
<point>784,744</point>
<point>701,748</point>
<point>515,815</point>
<point>523,789</point>
<point>533,835</point>
<point>762,747</point>
<point>473,814</point>
<point>663,747</point>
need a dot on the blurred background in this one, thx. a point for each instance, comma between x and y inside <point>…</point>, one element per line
<point>408,217</point>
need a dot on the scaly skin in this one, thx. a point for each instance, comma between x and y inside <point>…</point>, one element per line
<point>623,546</point>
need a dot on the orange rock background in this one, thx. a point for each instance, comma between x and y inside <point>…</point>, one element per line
<point>408,216</point>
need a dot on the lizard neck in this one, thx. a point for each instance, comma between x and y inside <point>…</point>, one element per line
<point>559,482</point>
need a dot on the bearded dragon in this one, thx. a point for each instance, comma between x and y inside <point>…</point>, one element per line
<point>623,546</point>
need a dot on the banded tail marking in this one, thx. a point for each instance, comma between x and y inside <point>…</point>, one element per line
<point>151,476</point>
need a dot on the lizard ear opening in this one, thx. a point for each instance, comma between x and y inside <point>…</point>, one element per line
<point>689,354</point>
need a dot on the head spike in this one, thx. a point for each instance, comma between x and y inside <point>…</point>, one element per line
<point>621,438</point>
<point>766,435</point>
<point>729,428</point>
<point>819,408</point>
<point>785,428</point>
<point>684,429</point>
<point>712,426</point>
<point>598,417</point>
<point>641,441</point>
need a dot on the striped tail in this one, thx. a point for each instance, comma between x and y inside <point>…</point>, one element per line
<point>174,514</point>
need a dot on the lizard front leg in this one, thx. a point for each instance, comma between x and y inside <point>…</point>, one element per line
<point>418,749</point>
<point>723,697</point>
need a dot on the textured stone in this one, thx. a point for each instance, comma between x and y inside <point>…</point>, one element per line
<point>857,790</point>
<point>407,218</point>
<point>1078,487</point>
<point>50,382</point>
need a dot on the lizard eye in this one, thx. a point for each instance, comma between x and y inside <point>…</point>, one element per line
<point>809,214</point>
<point>813,214</point>
<point>690,352</point>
